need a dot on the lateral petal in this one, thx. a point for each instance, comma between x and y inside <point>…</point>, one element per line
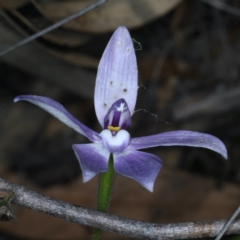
<point>140,166</point>
<point>117,74</point>
<point>93,159</point>
<point>58,111</point>
<point>180,138</point>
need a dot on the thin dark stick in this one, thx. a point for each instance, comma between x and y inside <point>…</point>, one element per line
<point>223,7</point>
<point>228,224</point>
<point>52,27</point>
<point>112,223</point>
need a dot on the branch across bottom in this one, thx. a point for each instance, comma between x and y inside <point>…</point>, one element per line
<point>112,223</point>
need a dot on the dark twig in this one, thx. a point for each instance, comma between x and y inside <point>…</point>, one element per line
<point>52,27</point>
<point>112,223</point>
<point>223,7</point>
<point>228,224</point>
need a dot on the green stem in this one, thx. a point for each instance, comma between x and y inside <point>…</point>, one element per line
<point>105,187</point>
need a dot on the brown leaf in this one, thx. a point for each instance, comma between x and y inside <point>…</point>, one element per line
<point>13,3</point>
<point>59,36</point>
<point>130,13</point>
<point>44,66</point>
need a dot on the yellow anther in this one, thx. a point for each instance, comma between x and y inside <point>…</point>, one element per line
<point>114,129</point>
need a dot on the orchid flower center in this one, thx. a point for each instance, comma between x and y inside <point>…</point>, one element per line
<point>115,143</point>
<point>118,118</point>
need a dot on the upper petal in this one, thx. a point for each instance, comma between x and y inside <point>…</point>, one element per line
<point>93,159</point>
<point>117,74</point>
<point>58,111</point>
<point>140,166</point>
<point>180,138</point>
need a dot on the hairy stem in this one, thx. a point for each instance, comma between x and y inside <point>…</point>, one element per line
<point>105,188</point>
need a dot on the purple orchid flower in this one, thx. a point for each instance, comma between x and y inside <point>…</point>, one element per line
<point>115,98</point>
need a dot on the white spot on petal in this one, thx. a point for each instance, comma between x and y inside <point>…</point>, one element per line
<point>121,108</point>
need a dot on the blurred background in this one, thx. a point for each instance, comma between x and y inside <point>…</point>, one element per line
<point>188,56</point>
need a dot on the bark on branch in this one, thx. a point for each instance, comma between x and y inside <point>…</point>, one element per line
<point>112,223</point>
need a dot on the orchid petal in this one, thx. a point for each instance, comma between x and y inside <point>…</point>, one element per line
<point>140,166</point>
<point>180,138</point>
<point>115,143</point>
<point>117,74</point>
<point>58,111</point>
<point>93,159</point>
